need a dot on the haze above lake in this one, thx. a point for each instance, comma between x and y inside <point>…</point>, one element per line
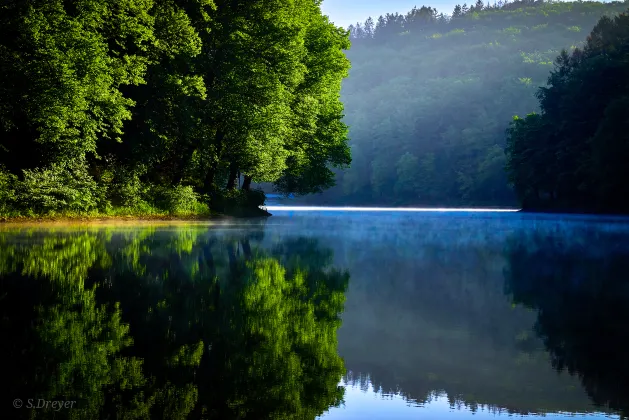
<point>330,314</point>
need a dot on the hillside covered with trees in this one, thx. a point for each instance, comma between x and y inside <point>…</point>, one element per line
<point>573,154</point>
<point>163,106</point>
<point>429,98</point>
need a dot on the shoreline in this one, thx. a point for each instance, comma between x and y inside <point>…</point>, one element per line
<point>99,219</point>
<point>102,220</point>
<point>107,220</point>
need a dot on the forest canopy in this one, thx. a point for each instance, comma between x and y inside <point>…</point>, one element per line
<point>430,96</point>
<point>179,107</point>
<point>572,155</point>
<point>166,105</point>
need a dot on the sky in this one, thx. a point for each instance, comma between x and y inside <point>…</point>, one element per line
<point>347,12</point>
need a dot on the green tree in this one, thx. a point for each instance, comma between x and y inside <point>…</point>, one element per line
<point>65,65</point>
<point>150,103</point>
<point>449,88</point>
<point>320,136</point>
<point>569,156</point>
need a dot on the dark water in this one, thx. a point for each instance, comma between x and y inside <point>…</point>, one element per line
<point>336,315</point>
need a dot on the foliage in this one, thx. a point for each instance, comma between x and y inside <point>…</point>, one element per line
<point>571,156</point>
<point>7,191</point>
<point>445,93</point>
<point>239,202</point>
<point>62,186</point>
<point>170,97</point>
<point>178,200</point>
<point>125,188</point>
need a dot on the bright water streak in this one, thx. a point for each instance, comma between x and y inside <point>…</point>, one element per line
<point>387,209</point>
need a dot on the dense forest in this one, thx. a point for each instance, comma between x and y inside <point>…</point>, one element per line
<point>429,98</point>
<point>153,106</point>
<point>179,107</point>
<point>573,154</point>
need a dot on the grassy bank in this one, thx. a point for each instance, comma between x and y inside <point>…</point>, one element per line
<point>127,216</point>
<point>22,203</point>
<point>98,218</point>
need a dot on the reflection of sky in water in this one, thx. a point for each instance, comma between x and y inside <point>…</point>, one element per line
<point>431,303</point>
<point>369,404</point>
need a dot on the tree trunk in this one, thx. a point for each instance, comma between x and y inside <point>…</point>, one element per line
<point>233,177</point>
<point>209,180</point>
<point>181,165</point>
<point>246,185</point>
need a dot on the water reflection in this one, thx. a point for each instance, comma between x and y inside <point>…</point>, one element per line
<point>431,309</point>
<point>446,315</point>
<point>579,288</point>
<point>149,323</point>
<point>370,403</point>
<point>435,318</point>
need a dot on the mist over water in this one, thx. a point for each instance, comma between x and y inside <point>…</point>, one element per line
<point>330,314</point>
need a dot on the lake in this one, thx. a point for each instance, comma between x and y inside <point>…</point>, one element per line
<point>318,314</point>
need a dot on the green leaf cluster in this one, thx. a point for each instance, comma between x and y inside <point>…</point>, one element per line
<point>192,97</point>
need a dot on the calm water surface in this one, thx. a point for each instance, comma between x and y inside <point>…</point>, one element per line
<point>319,314</point>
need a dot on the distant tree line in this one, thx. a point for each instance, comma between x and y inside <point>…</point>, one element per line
<point>419,19</point>
<point>430,97</point>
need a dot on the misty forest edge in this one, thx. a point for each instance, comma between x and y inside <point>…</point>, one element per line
<point>169,107</point>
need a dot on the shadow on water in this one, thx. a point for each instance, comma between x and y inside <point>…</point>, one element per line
<point>168,323</point>
<point>579,286</point>
<point>433,310</point>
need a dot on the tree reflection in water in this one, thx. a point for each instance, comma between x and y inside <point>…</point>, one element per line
<point>175,323</point>
<point>578,285</point>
